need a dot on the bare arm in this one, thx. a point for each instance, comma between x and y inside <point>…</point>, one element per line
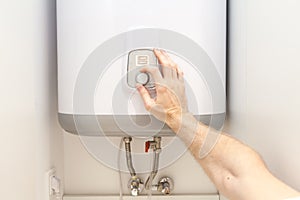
<point>237,171</point>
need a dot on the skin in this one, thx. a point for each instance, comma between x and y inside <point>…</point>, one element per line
<point>238,172</point>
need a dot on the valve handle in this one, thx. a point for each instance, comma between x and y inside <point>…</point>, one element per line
<point>147,146</point>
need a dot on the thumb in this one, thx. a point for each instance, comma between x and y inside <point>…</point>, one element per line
<point>148,101</point>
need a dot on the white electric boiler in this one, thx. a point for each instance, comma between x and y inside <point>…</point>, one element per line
<point>102,45</point>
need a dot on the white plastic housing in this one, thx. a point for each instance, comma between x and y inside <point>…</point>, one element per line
<point>83,25</point>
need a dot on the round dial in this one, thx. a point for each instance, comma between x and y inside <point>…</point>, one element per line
<point>142,78</point>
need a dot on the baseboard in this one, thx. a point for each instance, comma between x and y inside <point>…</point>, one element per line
<point>153,197</point>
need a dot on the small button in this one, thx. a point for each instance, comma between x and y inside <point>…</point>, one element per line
<point>142,78</point>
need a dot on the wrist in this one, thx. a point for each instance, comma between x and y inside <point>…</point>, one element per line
<point>177,120</point>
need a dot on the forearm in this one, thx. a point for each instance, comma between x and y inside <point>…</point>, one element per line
<point>237,170</point>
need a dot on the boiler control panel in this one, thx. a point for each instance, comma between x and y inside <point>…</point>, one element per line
<point>138,59</point>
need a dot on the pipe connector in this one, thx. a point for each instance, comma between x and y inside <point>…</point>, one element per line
<point>155,144</point>
<point>127,140</point>
<point>135,185</point>
<point>165,185</point>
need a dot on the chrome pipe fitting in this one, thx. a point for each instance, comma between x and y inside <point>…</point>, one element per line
<point>135,185</point>
<point>165,185</point>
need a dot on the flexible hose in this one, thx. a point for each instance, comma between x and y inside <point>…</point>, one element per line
<point>129,159</point>
<point>154,171</point>
<point>119,170</point>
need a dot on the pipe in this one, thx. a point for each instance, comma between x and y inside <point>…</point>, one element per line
<point>131,169</point>
<point>156,151</point>
<point>154,171</point>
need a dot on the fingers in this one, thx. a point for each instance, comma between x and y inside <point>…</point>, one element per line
<point>162,59</point>
<point>148,101</point>
<point>164,62</point>
<point>180,74</point>
<point>170,68</point>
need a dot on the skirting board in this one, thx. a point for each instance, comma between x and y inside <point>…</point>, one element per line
<point>153,197</point>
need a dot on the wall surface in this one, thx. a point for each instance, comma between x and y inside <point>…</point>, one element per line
<point>86,175</point>
<point>263,92</point>
<point>31,140</point>
<point>263,101</point>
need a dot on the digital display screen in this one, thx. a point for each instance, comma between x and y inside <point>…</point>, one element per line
<point>142,60</point>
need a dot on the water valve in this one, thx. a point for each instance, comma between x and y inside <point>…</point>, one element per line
<point>147,146</point>
<point>155,144</point>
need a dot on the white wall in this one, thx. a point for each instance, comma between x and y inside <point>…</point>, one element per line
<point>85,175</point>
<point>264,82</point>
<point>263,98</point>
<point>31,140</point>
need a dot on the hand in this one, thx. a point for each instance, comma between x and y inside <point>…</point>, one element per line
<point>170,103</point>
